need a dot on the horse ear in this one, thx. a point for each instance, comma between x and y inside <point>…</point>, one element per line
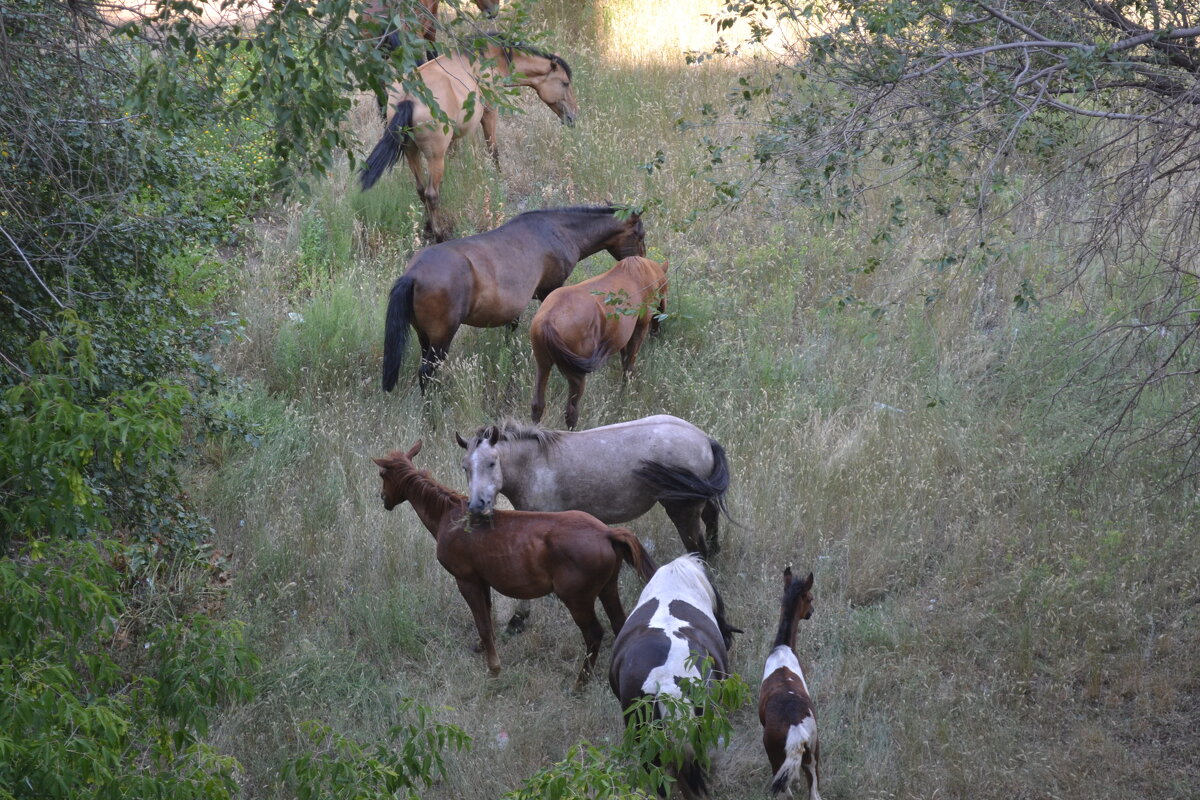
<point>416,448</point>
<point>381,462</point>
<point>787,575</point>
<point>666,264</point>
<point>808,582</point>
<point>493,435</point>
<point>460,441</point>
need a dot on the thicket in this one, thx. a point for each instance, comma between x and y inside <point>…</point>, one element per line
<point>124,181</point>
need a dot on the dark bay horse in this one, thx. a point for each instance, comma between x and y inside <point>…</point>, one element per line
<point>678,622</point>
<point>488,279</point>
<point>520,554</point>
<point>454,81</point>
<point>578,327</point>
<point>785,708</point>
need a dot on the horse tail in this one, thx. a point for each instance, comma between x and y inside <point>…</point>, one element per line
<point>679,483</point>
<point>633,552</point>
<point>395,332</point>
<point>801,746</point>
<point>562,356</point>
<point>387,151</point>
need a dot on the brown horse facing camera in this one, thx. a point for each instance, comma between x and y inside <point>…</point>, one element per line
<point>488,279</point>
<point>455,81</point>
<point>578,327</point>
<point>785,708</point>
<point>521,554</point>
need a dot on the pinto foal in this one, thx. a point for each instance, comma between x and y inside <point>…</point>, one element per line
<point>784,707</point>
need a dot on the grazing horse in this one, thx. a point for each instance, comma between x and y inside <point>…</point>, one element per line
<point>578,327</point>
<point>520,554</point>
<point>454,81</point>
<point>679,621</point>
<point>488,279</point>
<point>784,706</point>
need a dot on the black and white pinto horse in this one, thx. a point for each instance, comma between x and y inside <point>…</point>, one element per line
<point>679,621</point>
<point>785,707</point>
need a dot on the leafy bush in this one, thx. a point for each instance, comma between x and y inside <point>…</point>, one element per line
<point>76,721</point>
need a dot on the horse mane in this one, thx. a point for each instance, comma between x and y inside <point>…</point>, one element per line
<point>508,46</point>
<point>608,210</point>
<point>787,613</point>
<point>419,482</point>
<point>513,430</point>
<point>687,571</point>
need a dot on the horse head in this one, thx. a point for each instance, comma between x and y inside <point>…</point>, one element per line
<point>552,82</point>
<point>391,469</point>
<point>797,595</point>
<point>629,239</point>
<point>485,476</point>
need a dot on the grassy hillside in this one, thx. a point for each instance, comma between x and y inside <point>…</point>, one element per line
<point>991,619</point>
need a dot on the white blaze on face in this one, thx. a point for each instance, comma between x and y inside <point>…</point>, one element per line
<point>484,483</point>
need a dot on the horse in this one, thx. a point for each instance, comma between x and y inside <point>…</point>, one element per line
<point>578,327</point>
<point>488,279</point>
<point>678,622</point>
<point>454,81</point>
<point>520,554</point>
<point>785,707</point>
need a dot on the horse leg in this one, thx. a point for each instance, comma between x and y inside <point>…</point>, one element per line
<point>488,123</point>
<point>583,611</point>
<point>685,514</point>
<point>542,358</point>
<point>810,762</point>
<point>610,598</point>
<point>436,165</point>
<point>575,382</point>
<point>711,515</point>
<point>516,622</point>
<point>479,600</point>
<point>630,350</point>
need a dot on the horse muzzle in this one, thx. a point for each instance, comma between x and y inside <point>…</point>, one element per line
<point>480,508</point>
<point>567,116</point>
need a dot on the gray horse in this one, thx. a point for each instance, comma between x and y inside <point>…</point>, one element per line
<point>615,473</point>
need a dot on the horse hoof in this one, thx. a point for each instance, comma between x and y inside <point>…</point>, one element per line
<point>494,671</point>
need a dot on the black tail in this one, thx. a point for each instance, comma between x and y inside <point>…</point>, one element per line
<point>395,332</point>
<point>387,151</point>
<point>675,483</point>
<point>566,360</point>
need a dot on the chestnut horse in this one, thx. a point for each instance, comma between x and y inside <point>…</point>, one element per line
<point>488,279</point>
<point>578,327</point>
<point>785,708</point>
<point>678,622</point>
<point>454,81</point>
<point>520,554</point>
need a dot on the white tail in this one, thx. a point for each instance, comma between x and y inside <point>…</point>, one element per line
<point>801,756</point>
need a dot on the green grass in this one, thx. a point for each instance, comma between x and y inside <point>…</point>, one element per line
<point>991,620</point>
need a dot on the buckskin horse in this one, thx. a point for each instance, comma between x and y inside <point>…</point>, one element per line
<point>678,623</point>
<point>578,327</point>
<point>454,81</point>
<point>488,279</point>
<point>785,707</point>
<point>520,554</point>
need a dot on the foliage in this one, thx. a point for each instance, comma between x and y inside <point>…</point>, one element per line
<point>342,768</point>
<point>663,732</point>
<point>299,65</point>
<point>76,721</point>
<point>951,98</point>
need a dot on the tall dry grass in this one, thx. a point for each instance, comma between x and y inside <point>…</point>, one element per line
<point>989,622</point>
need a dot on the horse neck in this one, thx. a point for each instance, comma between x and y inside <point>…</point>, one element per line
<point>432,501</point>
<point>516,457</point>
<point>524,63</point>
<point>788,622</point>
<point>587,231</point>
